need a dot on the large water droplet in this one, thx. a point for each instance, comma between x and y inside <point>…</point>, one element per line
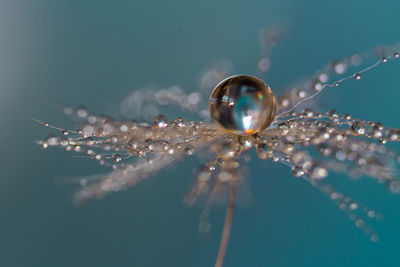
<point>242,105</point>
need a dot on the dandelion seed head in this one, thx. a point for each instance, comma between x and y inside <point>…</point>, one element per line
<point>246,119</point>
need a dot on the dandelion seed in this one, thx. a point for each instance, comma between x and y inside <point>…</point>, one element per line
<point>246,116</point>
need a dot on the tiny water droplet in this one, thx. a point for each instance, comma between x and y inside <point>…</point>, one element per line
<point>357,128</point>
<point>297,171</point>
<point>117,158</point>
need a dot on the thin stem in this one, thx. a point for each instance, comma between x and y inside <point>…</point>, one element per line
<point>227,226</point>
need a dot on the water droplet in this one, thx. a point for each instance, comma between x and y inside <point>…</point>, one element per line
<point>374,238</point>
<point>284,102</point>
<point>317,85</point>
<point>319,173</point>
<point>179,122</point>
<point>384,60</point>
<point>64,132</point>
<point>333,114</point>
<point>133,144</point>
<point>396,55</point>
<point>52,141</point>
<point>88,130</point>
<point>210,167</point>
<point>357,76</point>
<point>308,112</point>
<point>160,121</point>
<point>242,104</point>
<point>301,93</point>
<point>360,223</point>
<point>358,128</point>
<point>114,139</point>
<point>64,142</point>
<point>83,182</point>
<point>226,151</point>
<point>283,129</point>
<point>324,150</point>
<point>339,67</point>
<point>148,144</point>
<point>376,132</point>
<point>224,176</point>
<point>189,150</point>
<point>356,59</point>
<point>323,77</point>
<point>247,144</point>
<point>68,110</point>
<point>329,128</point>
<point>353,206</point>
<point>264,151</point>
<point>347,117</point>
<point>117,158</point>
<point>371,213</point>
<point>124,128</point>
<point>81,112</point>
<point>394,135</point>
<point>297,171</point>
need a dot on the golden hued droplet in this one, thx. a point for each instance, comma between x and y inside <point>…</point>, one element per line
<point>242,105</point>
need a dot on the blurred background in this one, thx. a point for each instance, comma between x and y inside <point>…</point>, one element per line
<point>96,52</point>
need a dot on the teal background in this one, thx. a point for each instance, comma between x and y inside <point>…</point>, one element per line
<point>95,52</point>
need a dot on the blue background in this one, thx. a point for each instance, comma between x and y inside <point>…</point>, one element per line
<point>95,52</point>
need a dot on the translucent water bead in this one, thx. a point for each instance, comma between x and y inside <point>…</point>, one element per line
<point>242,105</point>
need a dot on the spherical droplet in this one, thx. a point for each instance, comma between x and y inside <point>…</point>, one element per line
<point>227,151</point>
<point>297,171</point>
<point>148,144</point>
<point>160,121</point>
<point>339,67</point>
<point>283,128</point>
<point>358,128</point>
<point>319,173</point>
<point>353,206</point>
<point>357,76</point>
<point>117,158</point>
<point>179,122</point>
<point>133,144</point>
<point>243,105</point>
<point>382,140</point>
<point>264,151</point>
<point>189,150</point>
<point>347,117</point>
<point>333,114</point>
